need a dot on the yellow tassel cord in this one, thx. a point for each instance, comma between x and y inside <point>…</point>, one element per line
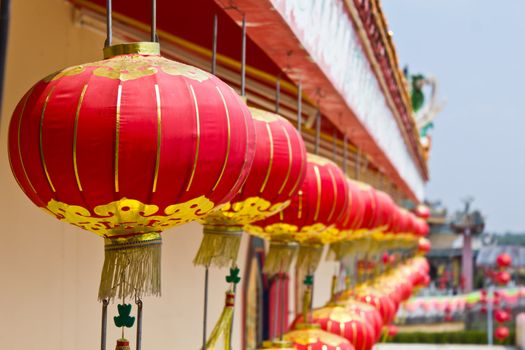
<point>131,269</point>
<point>308,258</point>
<point>224,324</point>
<point>219,246</point>
<point>279,258</point>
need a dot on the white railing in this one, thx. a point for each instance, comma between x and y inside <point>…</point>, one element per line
<point>327,33</point>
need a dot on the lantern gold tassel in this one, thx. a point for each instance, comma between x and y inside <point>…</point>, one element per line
<point>338,250</point>
<point>224,324</point>
<point>131,269</point>
<point>280,257</point>
<point>308,257</point>
<point>219,246</point>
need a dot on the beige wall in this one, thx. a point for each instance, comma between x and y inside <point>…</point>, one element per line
<point>49,270</point>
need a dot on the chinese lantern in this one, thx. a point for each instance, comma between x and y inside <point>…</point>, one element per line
<point>344,322</point>
<point>382,302</point>
<point>128,147</point>
<point>502,277</point>
<point>311,337</point>
<point>368,312</point>
<point>343,237</point>
<point>501,316</point>
<point>277,171</point>
<point>424,246</point>
<point>391,330</point>
<point>501,333</point>
<point>318,204</point>
<point>422,211</point>
<point>503,260</point>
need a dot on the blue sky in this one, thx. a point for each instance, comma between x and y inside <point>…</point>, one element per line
<point>476,49</point>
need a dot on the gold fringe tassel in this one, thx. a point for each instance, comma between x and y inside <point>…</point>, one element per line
<point>219,246</point>
<point>279,258</point>
<point>131,269</point>
<point>308,258</point>
<point>224,324</point>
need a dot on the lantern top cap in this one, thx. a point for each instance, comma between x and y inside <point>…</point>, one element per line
<point>141,48</point>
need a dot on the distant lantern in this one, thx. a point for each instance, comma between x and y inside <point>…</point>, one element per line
<point>422,211</point>
<point>348,323</point>
<point>424,246</point>
<point>504,260</point>
<point>128,147</point>
<point>501,333</point>
<point>311,337</point>
<point>277,172</point>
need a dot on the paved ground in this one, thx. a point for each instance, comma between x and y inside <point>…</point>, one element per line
<point>439,347</point>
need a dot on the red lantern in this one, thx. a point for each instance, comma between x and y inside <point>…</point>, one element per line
<point>391,330</point>
<point>501,316</point>
<point>504,260</point>
<point>317,206</point>
<point>422,211</point>
<point>424,246</point>
<point>313,338</point>
<point>368,312</point>
<point>344,322</point>
<point>128,147</point>
<point>278,169</point>
<point>383,303</point>
<point>501,333</point>
<point>502,278</point>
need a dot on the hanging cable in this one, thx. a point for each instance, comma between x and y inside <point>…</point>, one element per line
<point>109,24</point>
<point>139,303</point>
<point>277,95</point>
<point>299,107</point>
<point>334,145</point>
<point>345,154</point>
<point>104,327</point>
<point>317,132</point>
<point>154,37</point>
<point>214,45</point>
<point>243,58</point>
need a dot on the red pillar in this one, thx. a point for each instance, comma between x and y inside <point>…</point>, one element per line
<point>466,268</point>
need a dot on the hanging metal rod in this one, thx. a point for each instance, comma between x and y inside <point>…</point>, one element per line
<point>317,131</point>
<point>154,37</point>
<point>277,95</point>
<point>104,327</point>
<point>243,58</point>
<point>5,9</point>
<point>214,45</point>
<point>345,154</point>
<point>299,107</point>
<point>139,323</point>
<point>109,24</point>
